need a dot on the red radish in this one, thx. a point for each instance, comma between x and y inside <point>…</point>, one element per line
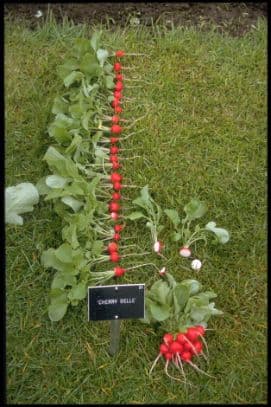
<point>114,150</point>
<point>118,109</point>
<point>187,347</point>
<point>118,95</point>
<point>115,103</point>
<point>114,140</point>
<point>168,338</point>
<point>113,158</point>
<point>117,186</point>
<point>119,271</point>
<point>112,247</point>
<point>119,53</point>
<point>162,271</point>
<point>116,165</point>
<point>115,119</point>
<point>115,177</point>
<point>186,356</point>
<point>175,347</point>
<point>119,85</point>
<point>116,129</point>
<point>192,334</point>
<point>114,207</point>
<point>163,348</point>
<point>197,347</point>
<point>119,77</point>
<point>117,67</point>
<point>114,215</point>
<point>181,338</point>
<point>158,246</point>
<point>116,236</point>
<point>116,196</point>
<point>114,257</point>
<point>118,228</point>
<point>185,251</point>
<point>168,355</point>
<point>200,329</point>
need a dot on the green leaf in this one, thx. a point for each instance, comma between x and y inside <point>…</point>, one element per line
<point>62,280</point>
<point>176,236</point>
<point>60,105</point>
<point>145,194</point>
<point>195,209</point>
<point>19,199</point>
<point>81,47</point>
<point>181,295</point>
<point>78,292</point>
<point>41,186</point>
<point>74,76</point>
<point>95,40</point>
<point>64,166</point>
<point>72,203</point>
<point>109,81</point>
<point>173,216</point>
<point>59,304</point>
<point>89,65</point>
<point>159,292</point>
<point>97,248</point>
<point>102,55</point>
<point>56,181</point>
<point>64,253</point>
<point>65,69</point>
<point>69,233</point>
<point>135,215</point>
<point>221,234</point>
<point>193,285</point>
<point>159,312</point>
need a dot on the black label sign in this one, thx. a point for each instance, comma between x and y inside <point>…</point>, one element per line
<point>125,301</point>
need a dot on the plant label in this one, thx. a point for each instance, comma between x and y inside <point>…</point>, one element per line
<point>114,302</point>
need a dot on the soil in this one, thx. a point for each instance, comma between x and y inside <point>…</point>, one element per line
<point>233,18</point>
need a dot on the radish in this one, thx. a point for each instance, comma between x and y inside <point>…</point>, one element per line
<point>185,251</point>
<point>118,228</point>
<point>117,95</point>
<point>114,207</point>
<point>114,139</point>
<point>117,236</point>
<point>118,109</point>
<point>117,186</point>
<point>117,67</point>
<point>116,196</point>
<point>181,338</point>
<point>162,272</point>
<point>115,177</point>
<point>118,85</point>
<point>168,338</point>
<point>113,158</point>
<point>112,247</point>
<point>121,53</point>
<point>196,264</point>
<point>114,257</point>
<point>115,103</point>
<point>115,119</point>
<point>119,77</point>
<point>158,246</point>
<point>114,215</point>
<point>114,150</point>
<point>116,129</point>
<point>119,271</point>
<point>186,356</point>
<point>116,165</point>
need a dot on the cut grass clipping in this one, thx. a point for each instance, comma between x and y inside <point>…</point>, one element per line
<point>203,135</point>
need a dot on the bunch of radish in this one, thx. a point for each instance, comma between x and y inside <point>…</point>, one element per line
<point>185,347</point>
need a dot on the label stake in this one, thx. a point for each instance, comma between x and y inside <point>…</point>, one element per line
<point>114,336</point>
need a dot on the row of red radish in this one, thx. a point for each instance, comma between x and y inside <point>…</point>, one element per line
<point>116,178</point>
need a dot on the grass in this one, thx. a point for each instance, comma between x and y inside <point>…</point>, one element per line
<point>204,136</point>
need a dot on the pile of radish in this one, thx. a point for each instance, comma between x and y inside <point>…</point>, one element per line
<point>182,349</point>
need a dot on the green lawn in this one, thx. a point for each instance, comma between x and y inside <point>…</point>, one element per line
<point>204,136</point>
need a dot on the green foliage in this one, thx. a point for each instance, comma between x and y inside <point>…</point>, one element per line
<point>179,305</point>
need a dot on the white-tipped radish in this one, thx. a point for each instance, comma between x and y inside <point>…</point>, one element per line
<point>158,246</point>
<point>185,251</point>
<point>196,264</point>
